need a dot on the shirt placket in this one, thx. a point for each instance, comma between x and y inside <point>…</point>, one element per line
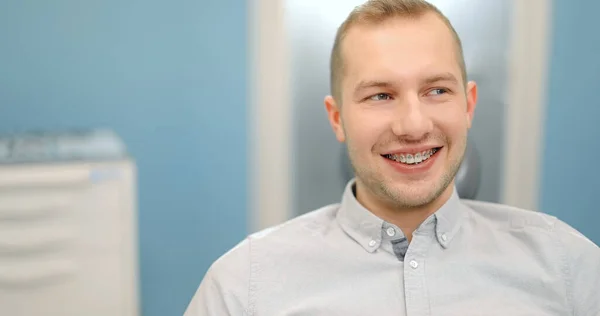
<point>415,289</point>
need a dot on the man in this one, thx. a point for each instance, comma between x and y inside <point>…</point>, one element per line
<point>401,242</point>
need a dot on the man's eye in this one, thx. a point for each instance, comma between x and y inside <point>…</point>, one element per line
<point>438,91</point>
<point>380,97</point>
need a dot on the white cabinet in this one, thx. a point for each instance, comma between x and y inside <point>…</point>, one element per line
<point>68,239</point>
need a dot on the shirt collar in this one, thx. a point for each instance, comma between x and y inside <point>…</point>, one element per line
<point>367,229</point>
<point>448,219</point>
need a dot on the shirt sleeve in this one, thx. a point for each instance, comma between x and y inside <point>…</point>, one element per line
<point>582,270</point>
<point>224,289</point>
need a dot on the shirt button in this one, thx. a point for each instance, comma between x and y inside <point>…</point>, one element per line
<point>414,264</point>
<point>444,237</point>
<point>372,243</point>
<point>391,231</point>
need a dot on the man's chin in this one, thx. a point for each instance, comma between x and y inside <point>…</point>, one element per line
<point>415,195</point>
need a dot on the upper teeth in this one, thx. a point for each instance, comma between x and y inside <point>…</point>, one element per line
<point>413,158</point>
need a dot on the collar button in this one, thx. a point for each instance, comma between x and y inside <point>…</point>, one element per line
<point>444,237</point>
<point>391,232</point>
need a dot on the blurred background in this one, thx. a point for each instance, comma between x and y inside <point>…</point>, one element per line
<point>158,134</point>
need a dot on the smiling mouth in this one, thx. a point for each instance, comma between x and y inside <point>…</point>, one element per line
<point>414,158</point>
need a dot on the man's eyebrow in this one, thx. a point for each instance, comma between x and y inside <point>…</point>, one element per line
<point>371,84</point>
<point>446,76</point>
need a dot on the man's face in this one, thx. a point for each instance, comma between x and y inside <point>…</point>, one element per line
<point>405,111</point>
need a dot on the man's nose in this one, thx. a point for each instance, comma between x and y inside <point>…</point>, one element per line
<point>411,121</point>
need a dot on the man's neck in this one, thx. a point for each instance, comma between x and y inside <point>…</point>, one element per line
<point>407,219</point>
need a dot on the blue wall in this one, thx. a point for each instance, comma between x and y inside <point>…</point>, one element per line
<point>571,177</point>
<point>170,77</point>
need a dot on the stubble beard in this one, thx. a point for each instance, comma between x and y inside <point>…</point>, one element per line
<point>404,198</point>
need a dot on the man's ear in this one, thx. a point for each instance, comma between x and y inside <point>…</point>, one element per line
<point>335,118</point>
<point>471,102</point>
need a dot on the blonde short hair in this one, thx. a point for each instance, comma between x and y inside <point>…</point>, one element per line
<point>376,12</point>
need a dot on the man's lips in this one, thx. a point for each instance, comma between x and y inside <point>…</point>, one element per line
<point>413,150</point>
<point>413,163</point>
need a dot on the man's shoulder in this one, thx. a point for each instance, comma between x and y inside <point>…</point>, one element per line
<point>291,234</point>
<point>545,239</point>
<point>227,282</point>
<point>314,221</point>
<point>503,215</point>
<point>513,218</point>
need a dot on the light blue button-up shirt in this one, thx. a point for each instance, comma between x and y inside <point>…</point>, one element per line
<point>469,258</point>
